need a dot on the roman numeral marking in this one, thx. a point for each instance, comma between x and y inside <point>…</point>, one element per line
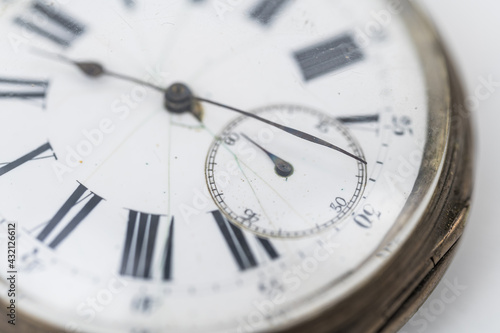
<point>368,122</point>
<point>130,3</point>
<point>140,244</point>
<point>268,247</point>
<point>31,156</point>
<point>327,57</point>
<point>23,89</point>
<point>373,118</point>
<point>81,196</point>
<point>59,28</point>
<point>238,244</point>
<point>267,10</point>
<point>167,264</point>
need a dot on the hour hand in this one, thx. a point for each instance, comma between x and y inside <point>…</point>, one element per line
<point>91,68</point>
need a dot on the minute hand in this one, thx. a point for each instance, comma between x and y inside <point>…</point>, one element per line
<point>95,70</point>
<point>292,131</point>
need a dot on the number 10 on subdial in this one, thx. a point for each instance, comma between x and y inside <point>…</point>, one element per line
<point>278,185</point>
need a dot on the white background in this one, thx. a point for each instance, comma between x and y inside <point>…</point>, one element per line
<point>471,28</point>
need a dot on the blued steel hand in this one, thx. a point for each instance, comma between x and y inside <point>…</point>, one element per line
<point>292,131</point>
<point>179,99</point>
<point>92,69</point>
<point>282,167</point>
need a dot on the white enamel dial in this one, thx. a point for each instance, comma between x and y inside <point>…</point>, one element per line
<point>118,224</point>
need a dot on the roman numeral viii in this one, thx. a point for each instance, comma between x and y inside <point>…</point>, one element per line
<point>238,244</point>
<point>42,152</point>
<point>140,246</point>
<point>57,27</point>
<point>78,206</point>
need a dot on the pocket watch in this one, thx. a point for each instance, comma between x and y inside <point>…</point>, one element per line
<point>226,166</point>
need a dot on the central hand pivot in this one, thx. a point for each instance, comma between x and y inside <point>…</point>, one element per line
<point>179,99</point>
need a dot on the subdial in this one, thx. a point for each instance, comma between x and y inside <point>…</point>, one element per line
<point>278,185</point>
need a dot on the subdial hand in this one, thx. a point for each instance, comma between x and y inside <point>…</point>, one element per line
<point>283,168</point>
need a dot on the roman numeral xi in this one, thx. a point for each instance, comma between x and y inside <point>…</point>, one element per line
<point>58,27</point>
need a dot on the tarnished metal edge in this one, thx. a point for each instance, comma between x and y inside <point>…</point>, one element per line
<point>381,306</point>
